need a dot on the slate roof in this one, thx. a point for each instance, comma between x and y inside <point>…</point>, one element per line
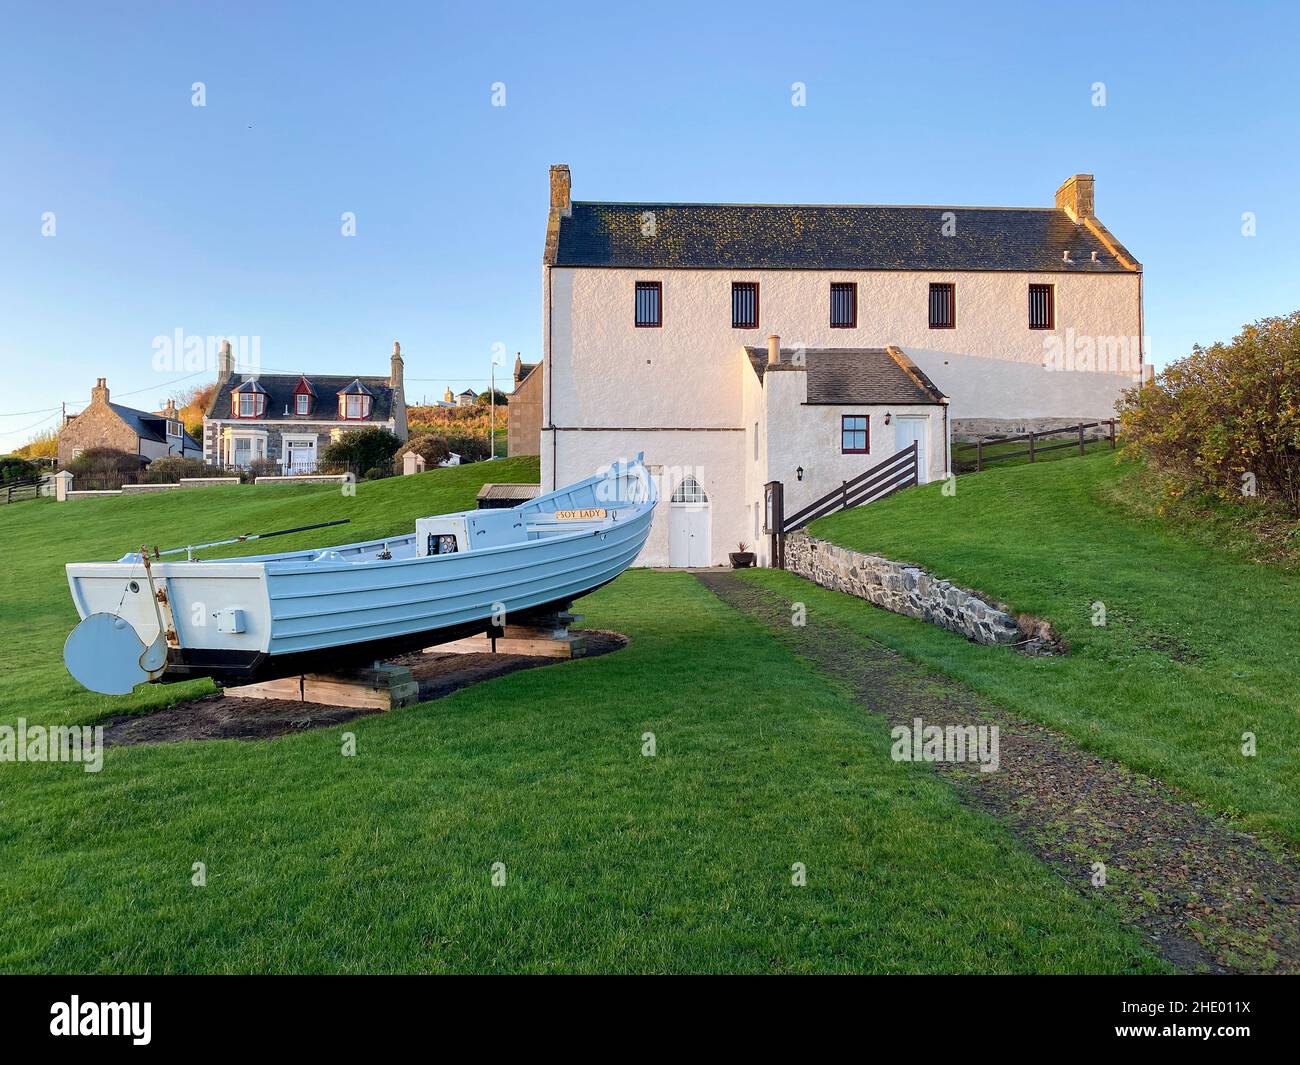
<point>153,427</point>
<point>855,376</point>
<point>792,237</point>
<point>280,388</point>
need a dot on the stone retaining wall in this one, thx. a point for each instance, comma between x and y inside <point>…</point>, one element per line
<point>901,588</point>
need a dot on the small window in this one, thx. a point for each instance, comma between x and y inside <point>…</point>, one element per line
<point>844,305</point>
<point>248,405</point>
<point>854,436</point>
<point>1042,306</point>
<point>173,428</point>
<point>744,305</point>
<point>649,304</point>
<point>943,306</point>
<point>690,491</point>
<point>302,403</point>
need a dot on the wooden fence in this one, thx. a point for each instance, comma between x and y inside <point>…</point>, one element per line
<point>983,456</point>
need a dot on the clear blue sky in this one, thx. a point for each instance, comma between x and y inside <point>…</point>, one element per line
<point>225,219</point>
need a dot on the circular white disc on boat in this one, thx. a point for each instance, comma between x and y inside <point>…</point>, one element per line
<point>103,654</point>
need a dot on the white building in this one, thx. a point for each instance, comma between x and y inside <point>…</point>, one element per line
<point>739,344</point>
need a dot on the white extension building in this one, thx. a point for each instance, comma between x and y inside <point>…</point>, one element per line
<point>737,345</point>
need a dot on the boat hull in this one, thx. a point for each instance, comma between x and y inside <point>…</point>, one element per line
<point>271,616</point>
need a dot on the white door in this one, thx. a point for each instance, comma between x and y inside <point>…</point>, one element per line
<point>688,526</point>
<point>918,429</point>
<point>300,455</point>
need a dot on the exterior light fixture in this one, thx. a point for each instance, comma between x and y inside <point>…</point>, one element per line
<point>888,417</point>
<point>799,472</point>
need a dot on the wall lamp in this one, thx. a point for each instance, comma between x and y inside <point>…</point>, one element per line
<point>799,472</point>
<point>888,417</point>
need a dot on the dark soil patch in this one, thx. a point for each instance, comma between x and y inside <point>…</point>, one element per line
<point>221,717</point>
<point>1211,898</point>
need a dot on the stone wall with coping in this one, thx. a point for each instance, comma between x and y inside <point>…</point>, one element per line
<point>901,588</point>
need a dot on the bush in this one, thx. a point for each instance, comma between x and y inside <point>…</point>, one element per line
<point>16,468</point>
<point>103,468</point>
<point>171,468</point>
<point>362,450</point>
<point>469,448</point>
<point>1226,419</point>
<point>432,447</point>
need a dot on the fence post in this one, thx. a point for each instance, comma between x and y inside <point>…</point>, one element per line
<point>979,453</point>
<point>1031,445</point>
<point>1111,424</point>
<point>1081,438</point>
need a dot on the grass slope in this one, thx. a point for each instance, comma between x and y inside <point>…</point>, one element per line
<point>1199,645</point>
<point>614,861</point>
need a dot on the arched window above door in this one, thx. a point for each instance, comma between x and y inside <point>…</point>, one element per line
<point>689,491</point>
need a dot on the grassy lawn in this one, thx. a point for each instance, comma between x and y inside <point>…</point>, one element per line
<point>614,861</point>
<point>996,456</point>
<point>1199,644</point>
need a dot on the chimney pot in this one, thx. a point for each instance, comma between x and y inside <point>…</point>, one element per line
<point>773,350</point>
<point>99,394</point>
<point>1075,197</point>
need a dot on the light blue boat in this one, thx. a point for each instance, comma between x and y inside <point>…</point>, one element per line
<point>278,615</point>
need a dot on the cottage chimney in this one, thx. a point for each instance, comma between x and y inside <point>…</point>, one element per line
<point>99,394</point>
<point>225,361</point>
<point>395,373</point>
<point>169,411</point>
<point>1075,197</point>
<point>774,350</point>
<point>561,203</point>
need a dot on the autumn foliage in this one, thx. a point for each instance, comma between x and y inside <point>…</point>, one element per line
<point>1226,419</point>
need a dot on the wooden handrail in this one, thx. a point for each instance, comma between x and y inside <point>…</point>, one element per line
<point>900,470</point>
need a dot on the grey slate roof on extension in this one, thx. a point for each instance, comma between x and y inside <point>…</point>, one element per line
<point>153,427</point>
<point>793,237</point>
<point>279,389</point>
<point>855,376</point>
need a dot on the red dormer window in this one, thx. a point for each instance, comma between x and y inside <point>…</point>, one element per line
<point>302,398</point>
<point>354,408</point>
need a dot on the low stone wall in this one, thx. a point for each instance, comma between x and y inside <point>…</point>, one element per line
<point>306,478</point>
<point>91,494</point>
<point>901,588</point>
<point>207,482</point>
<point>145,489</point>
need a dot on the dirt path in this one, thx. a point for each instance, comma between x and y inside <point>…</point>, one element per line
<point>1211,898</point>
<point>222,717</point>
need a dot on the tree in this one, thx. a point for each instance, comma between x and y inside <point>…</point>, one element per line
<point>44,445</point>
<point>1226,419</point>
<point>363,451</point>
<point>432,447</point>
<point>485,397</point>
<point>16,468</point>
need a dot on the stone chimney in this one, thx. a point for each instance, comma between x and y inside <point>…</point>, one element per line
<point>225,361</point>
<point>561,207</point>
<point>561,181</point>
<point>395,373</point>
<point>1075,197</point>
<point>447,397</point>
<point>99,394</point>
<point>774,350</point>
<point>169,411</point>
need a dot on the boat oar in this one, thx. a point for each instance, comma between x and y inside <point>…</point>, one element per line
<point>246,537</point>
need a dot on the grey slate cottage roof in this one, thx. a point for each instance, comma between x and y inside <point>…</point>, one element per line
<point>793,237</point>
<point>279,389</point>
<point>153,427</point>
<point>854,376</point>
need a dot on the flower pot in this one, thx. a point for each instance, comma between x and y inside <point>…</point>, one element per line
<point>741,559</point>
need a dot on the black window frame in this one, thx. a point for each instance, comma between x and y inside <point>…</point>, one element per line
<point>950,288</point>
<point>852,288</point>
<point>648,286</point>
<point>865,431</point>
<point>1050,292</point>
<point>736,287</point>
